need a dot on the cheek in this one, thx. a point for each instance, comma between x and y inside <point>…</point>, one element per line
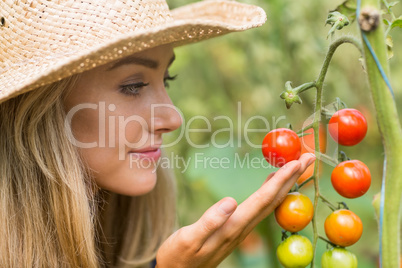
<point>105,140</point>
<point>133,132</point>
<point>120,128</point>
<point>85,126</point>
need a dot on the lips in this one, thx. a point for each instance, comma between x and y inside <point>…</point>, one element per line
<point>152,154</point>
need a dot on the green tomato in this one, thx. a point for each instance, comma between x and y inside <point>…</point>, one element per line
<point>296,251</point>
<point>338,258</point>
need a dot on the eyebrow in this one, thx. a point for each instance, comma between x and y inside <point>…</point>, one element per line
<point>139,61</point>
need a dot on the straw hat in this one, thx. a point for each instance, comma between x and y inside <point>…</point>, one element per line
<point>43,41</point>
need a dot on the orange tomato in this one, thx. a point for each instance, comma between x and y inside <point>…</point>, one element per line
<point>295,212</point>
<point>343,227</point>
<point>308,146</point>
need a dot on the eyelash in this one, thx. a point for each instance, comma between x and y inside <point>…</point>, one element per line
<point>169,78</point>
<point>134,89</point>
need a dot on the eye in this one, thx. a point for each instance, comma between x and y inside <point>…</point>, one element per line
<point>168,78</point>
<point>133,89</point>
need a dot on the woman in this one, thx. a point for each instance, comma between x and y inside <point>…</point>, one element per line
<point>83,111</point>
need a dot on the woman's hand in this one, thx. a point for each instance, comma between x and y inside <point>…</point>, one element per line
<point>224,225</point>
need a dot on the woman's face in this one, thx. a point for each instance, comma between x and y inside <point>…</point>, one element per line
<point>118,113</point>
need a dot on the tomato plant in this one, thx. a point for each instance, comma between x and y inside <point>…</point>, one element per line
<point>347,127</point>
<point>338,258</point>
<point>295,212</point>
<point>281,146</point>
<point>295,251</point>
<point>351,178</point>
<point>343,227</point>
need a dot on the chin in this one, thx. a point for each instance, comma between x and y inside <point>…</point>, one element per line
<point>140,185</point>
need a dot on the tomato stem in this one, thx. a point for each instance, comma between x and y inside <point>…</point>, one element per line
<point>327,158</point>
<point>305,128</point>
<point>331,50</point>
<point>339,104</point>
<point>326,240</point>
<point>303,134</point>
<point>342,156</point>
<point>305,182</point>
<point>328,203</point>
<point>304,87</point>
<point>342,205</point>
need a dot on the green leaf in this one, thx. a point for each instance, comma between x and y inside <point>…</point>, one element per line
<point>397,23</point>
<point>392,4</point>
<point>386,22</point>
<point>389,6</point>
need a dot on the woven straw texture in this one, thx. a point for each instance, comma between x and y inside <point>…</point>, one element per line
<point>43,41</point>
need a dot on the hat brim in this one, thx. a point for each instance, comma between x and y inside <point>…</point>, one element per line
<point>192,23</point>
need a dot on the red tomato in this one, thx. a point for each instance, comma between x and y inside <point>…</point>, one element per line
<point>347,127</point>
<point>343,227</point>
<point>281,146</point>
<point>307,143</point>
<point>351,178</point>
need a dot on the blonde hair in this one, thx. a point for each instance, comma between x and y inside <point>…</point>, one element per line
<point>52,214</point>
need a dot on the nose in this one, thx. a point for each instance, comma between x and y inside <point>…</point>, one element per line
<point>166,117</point>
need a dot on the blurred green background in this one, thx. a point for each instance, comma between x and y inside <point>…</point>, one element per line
<point>240,77</point>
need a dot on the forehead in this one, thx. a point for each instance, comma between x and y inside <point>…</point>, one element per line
<point>151,57</point>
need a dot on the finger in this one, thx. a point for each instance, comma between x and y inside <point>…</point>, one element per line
<point>245,214</point>
<point>269,177</point>
<point>269,196</point>
<point>257,206</point>
<point>262,202</point>
<point>213,219</point>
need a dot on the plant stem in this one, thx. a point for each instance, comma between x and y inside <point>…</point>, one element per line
<point>387,31</point>
<point>317,118</point>
<point>326,201</point>
<point>304,87</point>
<point>327,158</point>
<point>304,128</point>
<point>305,182</point>
<point>391,134</point>
<point>332,48</point>
<point>326,240</point>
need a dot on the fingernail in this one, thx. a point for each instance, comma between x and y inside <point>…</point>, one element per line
<point>311,161</point>
<point>227,207</point>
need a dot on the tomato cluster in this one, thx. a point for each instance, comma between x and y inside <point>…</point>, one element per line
<point>350,179</point>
